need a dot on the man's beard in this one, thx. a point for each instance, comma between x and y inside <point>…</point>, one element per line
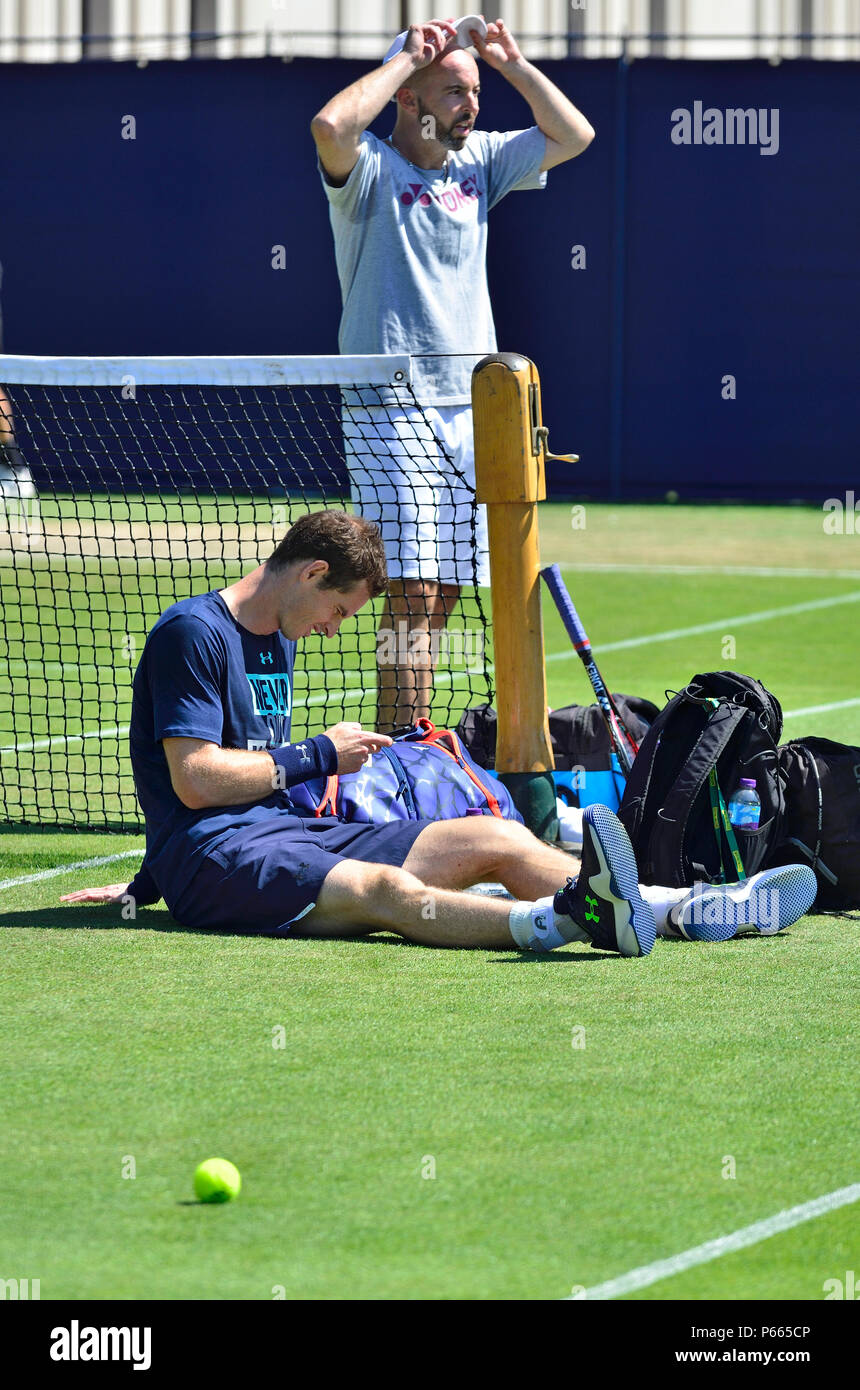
<point>443,135</point>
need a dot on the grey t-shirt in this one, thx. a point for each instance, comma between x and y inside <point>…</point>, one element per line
<point>411,250</point>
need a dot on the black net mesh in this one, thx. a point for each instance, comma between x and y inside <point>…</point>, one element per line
<point>116,502</point>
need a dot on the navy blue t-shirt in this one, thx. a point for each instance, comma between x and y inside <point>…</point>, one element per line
<point>202,675</point>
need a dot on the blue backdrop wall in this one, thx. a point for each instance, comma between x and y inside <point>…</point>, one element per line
<point>701,262</point>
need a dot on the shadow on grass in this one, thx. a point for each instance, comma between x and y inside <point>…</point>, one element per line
<point>560,956</point>
<point>109,918</point>
<point>743,935</point>
<point>92,919</point>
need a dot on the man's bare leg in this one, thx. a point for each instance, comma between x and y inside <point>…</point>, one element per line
<point>413,610</point>
<point>457,853</point>
<point>420,901</point>
<point>604,905</point>
<point>15,478</point>
<point>357,898</point>
<point>7,428</point>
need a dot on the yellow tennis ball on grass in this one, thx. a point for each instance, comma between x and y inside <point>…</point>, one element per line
<point>217,1180</point>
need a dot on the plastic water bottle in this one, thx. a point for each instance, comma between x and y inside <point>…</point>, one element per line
<point>745,805</point>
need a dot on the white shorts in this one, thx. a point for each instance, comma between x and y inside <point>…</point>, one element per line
<point>413,472</point>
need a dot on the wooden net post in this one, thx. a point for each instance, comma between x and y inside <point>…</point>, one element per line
<point>509,470</point>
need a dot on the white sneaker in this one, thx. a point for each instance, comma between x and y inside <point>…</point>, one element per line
<point>766,903</point>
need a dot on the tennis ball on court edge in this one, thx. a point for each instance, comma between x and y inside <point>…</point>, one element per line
<point>671,495</point>
<point>217,1180</point>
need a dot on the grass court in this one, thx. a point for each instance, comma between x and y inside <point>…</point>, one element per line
<point>419,1124</point>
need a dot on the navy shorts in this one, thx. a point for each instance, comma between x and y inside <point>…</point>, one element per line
<point>267,875</point>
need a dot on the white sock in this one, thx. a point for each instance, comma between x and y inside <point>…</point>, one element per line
<point>569,825</point>
<point>535,923</point>
<point>534,927</point>
<point>662,901</point>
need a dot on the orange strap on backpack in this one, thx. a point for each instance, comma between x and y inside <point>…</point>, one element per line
<point>328,805</point>
<point>440,738</point>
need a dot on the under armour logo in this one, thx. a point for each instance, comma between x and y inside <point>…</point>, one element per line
<point>591,915</point>
<point>266,656</point>
<point>303,749</point>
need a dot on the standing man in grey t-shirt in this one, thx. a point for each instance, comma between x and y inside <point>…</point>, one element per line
<point>409,217</point>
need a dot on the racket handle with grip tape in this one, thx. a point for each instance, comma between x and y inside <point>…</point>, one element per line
<point>564,603</point>
<point>620,738</point>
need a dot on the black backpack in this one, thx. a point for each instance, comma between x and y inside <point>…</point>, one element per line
<point>674,810</point>
<point>822,817</point>
<point>577,732</point>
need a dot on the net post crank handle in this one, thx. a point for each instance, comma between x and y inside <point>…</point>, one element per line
<point>541,443</point>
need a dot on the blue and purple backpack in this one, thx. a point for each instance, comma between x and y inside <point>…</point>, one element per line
<point>424,775</point>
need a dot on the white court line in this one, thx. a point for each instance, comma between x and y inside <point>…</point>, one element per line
<point>819,709</point>
<point>19,667</point>
<point>120,730</point>
<point>109,731</point>
<point>71,868</point>
<point>721,625</point>
<point>115,732</point>
<point>646,1275</point>
<point>755,571</point>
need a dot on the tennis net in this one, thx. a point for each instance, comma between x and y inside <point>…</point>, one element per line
<point>139,481</point>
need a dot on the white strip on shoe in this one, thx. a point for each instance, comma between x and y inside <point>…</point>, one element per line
<point>768,902</point>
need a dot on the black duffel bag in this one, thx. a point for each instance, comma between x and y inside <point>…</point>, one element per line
<point>723,726</point>
<point>822,817</point>
<point>577,732</point>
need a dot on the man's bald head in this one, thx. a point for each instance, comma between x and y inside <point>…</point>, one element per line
<point>455,65</point>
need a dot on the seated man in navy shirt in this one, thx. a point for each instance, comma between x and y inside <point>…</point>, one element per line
<point>225,847</point>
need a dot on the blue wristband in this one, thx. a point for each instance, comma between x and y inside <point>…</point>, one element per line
<point>315,757</point>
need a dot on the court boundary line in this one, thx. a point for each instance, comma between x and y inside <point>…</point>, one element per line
<point>97,863</point>
<point>121,730</point>
<point>673,634</point>
<point>645,1275</point>
<point>821,709</point>
<point>749,571</point>
<point>742,620</point>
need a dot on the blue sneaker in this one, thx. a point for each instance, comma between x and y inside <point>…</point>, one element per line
<point>603,905</point>
<point>767,903</point>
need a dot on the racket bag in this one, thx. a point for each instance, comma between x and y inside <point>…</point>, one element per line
<point>822,818</point>
<point>723,726</point>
